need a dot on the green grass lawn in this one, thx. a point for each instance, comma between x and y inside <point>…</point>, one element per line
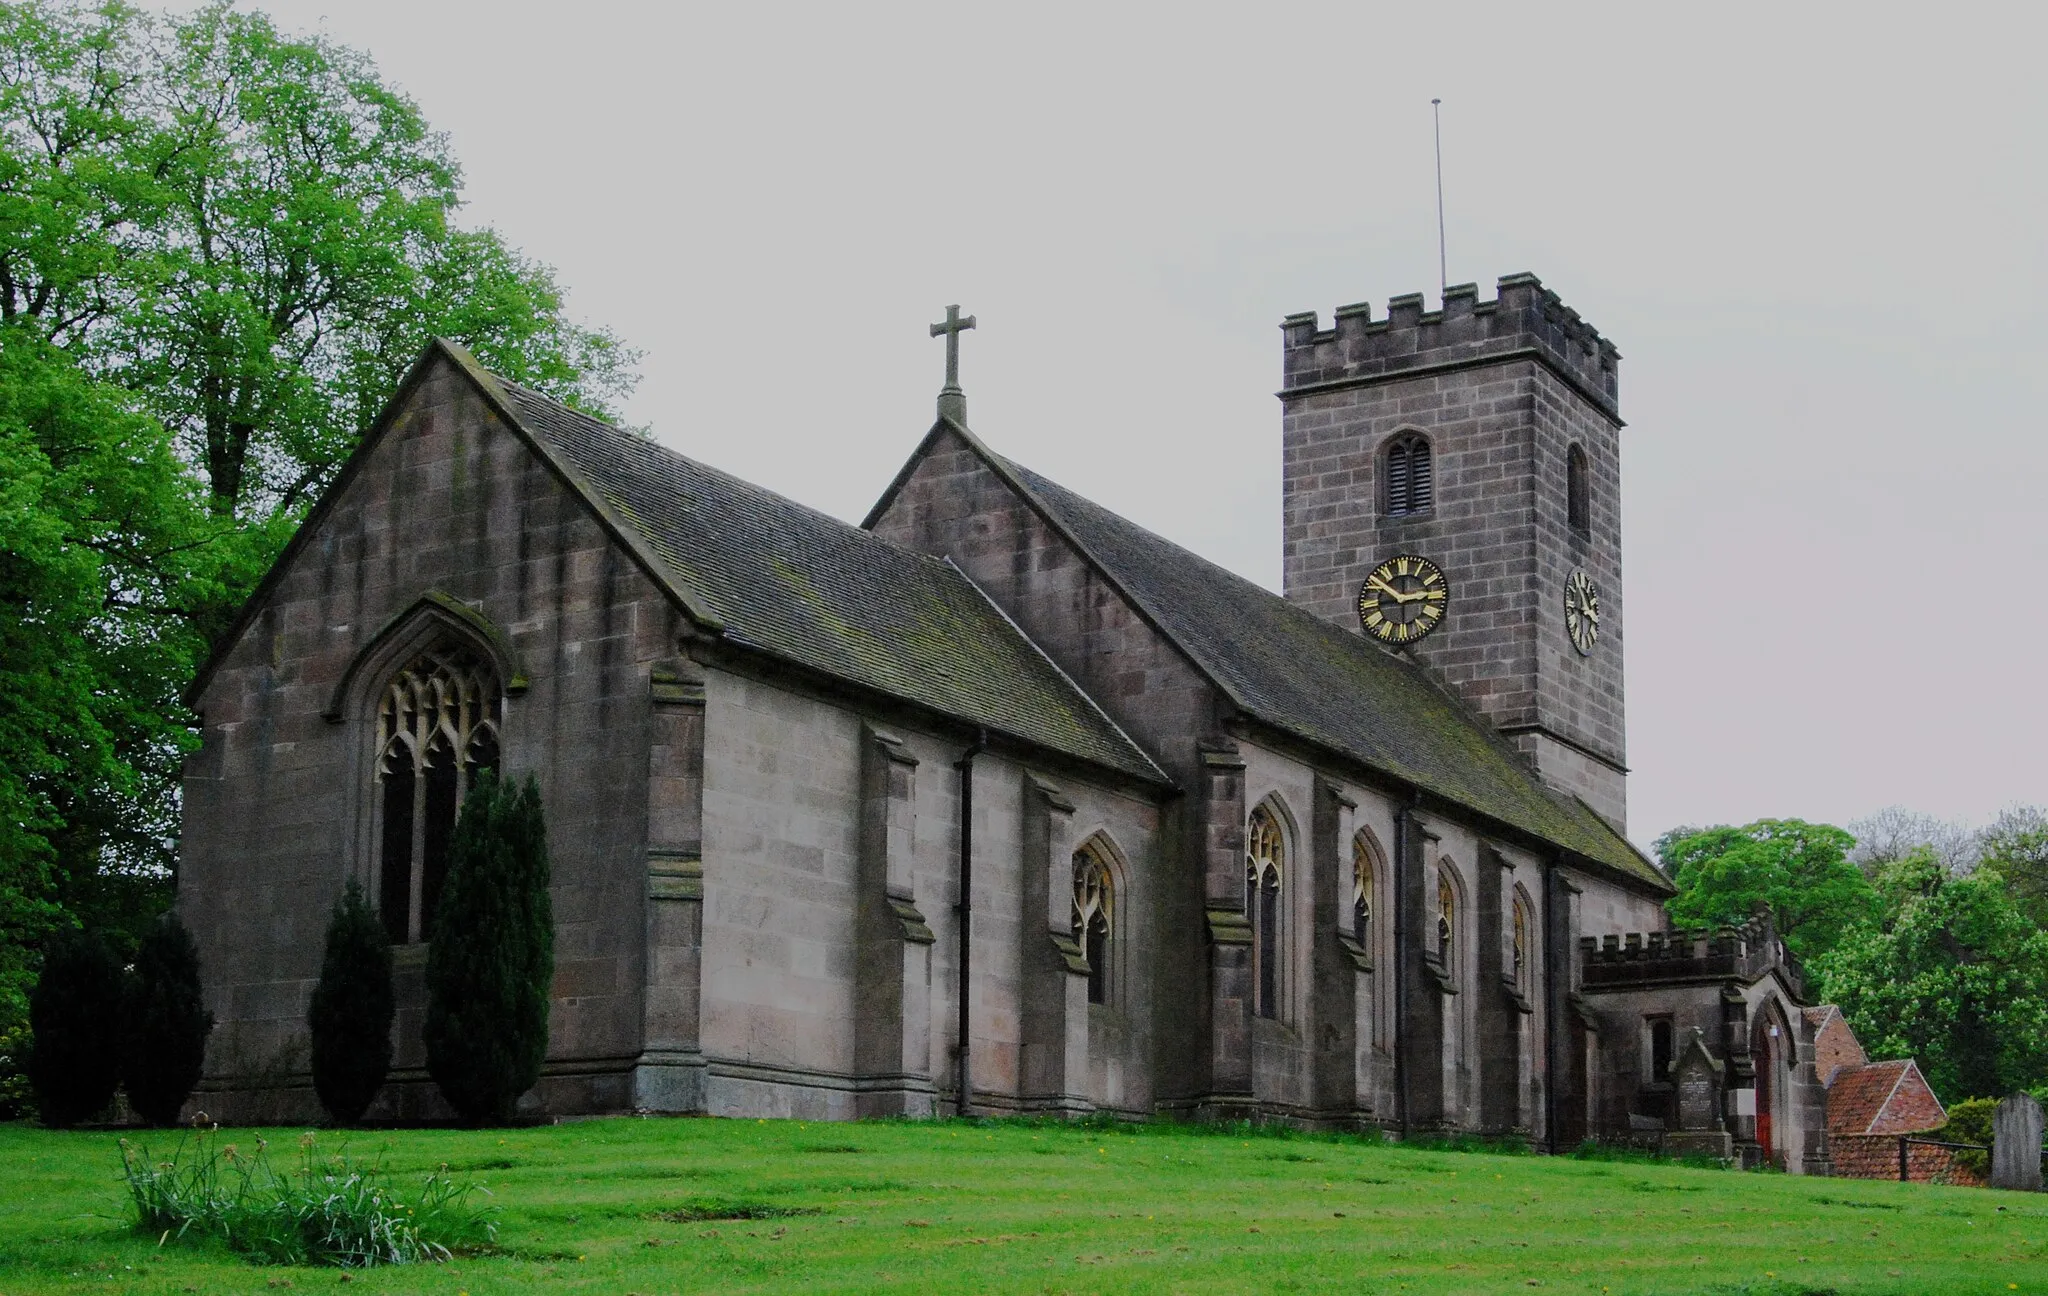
<point>945,1207</point>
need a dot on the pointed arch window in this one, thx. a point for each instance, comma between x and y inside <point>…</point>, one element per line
<point>437,727</point>
<point>1094,916</point>
<point>1265,865</point>
<point>1361,893</point>
<point>1410,475</point>
<point>1518,948</point>
<point>1446,920</point>
<point>1578,491</point>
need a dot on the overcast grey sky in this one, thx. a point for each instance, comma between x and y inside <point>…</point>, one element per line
<point>1814,233</point>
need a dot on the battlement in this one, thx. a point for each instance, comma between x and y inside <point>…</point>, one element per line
<point>1525,319</point>
<point>1741,953</point>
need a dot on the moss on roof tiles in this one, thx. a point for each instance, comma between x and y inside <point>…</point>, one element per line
<point>1298,673</point>
<point>807,587</point>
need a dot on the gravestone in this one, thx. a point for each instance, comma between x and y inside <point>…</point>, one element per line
<point>1696,1080</point>
<point>2016,1144</point>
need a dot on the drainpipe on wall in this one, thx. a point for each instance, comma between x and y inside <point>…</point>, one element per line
<point>965,765</point>
<point>1404,832</point>
<point>1551,1002</point>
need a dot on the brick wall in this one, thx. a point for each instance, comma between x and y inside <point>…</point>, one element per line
<point>1876,1156</point>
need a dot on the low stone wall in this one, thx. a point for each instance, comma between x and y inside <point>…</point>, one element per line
<point>1876,1156</point>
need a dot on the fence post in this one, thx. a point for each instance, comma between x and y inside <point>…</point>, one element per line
<point>1902,1159</point>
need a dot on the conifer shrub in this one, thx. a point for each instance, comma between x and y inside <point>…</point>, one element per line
<point>352,1009</point>
<point>492,957</point>
<point>75,1016</point>
<point>164,1023</point>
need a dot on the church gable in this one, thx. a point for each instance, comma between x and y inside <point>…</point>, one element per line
<point>956,499</point>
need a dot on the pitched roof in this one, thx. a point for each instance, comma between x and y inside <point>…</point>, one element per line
<point>1883,1098</point>
<point>764,572</point>
<point>804,586</point>
<point>1298,673</point>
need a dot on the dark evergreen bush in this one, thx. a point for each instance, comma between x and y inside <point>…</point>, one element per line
<point>75,1015</point>
<point>493,954</point>
<point>164,1023</point>
<point>350,1017</point>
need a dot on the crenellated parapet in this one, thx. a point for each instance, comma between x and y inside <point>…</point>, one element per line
<point>1742,953</point>
<point>1524,319</point>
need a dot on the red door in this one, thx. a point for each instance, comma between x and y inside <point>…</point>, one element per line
<point>1766,1061</point>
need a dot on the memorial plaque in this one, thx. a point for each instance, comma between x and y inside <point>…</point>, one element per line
<point>1695,1098</point>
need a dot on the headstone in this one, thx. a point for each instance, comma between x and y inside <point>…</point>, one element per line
<point>1696,1078</point>
<point>2016,1144</point>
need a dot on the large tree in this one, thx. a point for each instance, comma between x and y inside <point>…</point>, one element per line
<point>255,232</point>
<point>220,247</point>
<point>1949,972</point>
<point>1799,869</point>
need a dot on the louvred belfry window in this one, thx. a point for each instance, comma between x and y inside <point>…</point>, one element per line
<point>1410,479</point>
<point>1578,492</point>
<point>437,727</point>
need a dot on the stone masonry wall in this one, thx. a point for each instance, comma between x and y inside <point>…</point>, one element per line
<point>1482,381</point>
<point>953,504</point>
<point>277,798</point>
<point>782,784</point>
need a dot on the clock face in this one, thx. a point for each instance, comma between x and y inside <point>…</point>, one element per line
<point>1582,611</point>
<point>1403,599</point>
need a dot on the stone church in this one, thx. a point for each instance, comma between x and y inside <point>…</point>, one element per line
<point>998,802</point>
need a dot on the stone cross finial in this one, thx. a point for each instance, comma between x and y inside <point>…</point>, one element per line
<point>953,401</point>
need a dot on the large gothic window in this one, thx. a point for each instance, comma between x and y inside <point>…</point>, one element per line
<point>437,726</point>
<point>1094,912</point>
<point>1265,862</point>
<point>1411,485</point>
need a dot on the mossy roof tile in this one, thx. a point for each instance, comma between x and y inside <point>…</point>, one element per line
<point>804,586</point>
<point>1323,684</point>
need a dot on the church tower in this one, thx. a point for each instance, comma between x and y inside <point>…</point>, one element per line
<point>1484,439</point>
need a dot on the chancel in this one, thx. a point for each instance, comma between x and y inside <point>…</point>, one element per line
<point>999,802</point>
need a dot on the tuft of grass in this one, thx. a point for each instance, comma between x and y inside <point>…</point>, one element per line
<point>331,1211</point>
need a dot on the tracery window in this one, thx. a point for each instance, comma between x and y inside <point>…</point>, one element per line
<point>437,727</point>
<point>1265,862</point>
<point>1578,491</point>
<point>1518,951</point>
<point>1446,919</point>
<point>1094,911</point>
<point>1361,893</point>
<point>1411,486</point>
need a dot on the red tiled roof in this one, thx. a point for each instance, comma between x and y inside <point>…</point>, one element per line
<point>1835,1048</point>
<point>1883,1098</point>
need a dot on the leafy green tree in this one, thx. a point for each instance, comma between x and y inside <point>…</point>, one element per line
<point>492,957</point>
<point>1951,973</point>
<point>164,1023</point>
<point>104,542</point>
<point>2016,847</point>
<point>1799,869</point>
<point>220,248</point>
<point>352,1009</point>
<point>75,1012</point>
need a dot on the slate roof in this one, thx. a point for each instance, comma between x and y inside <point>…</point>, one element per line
<point>1883,1098</point>
<point>1300,674</point>
<point>803,586</point>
